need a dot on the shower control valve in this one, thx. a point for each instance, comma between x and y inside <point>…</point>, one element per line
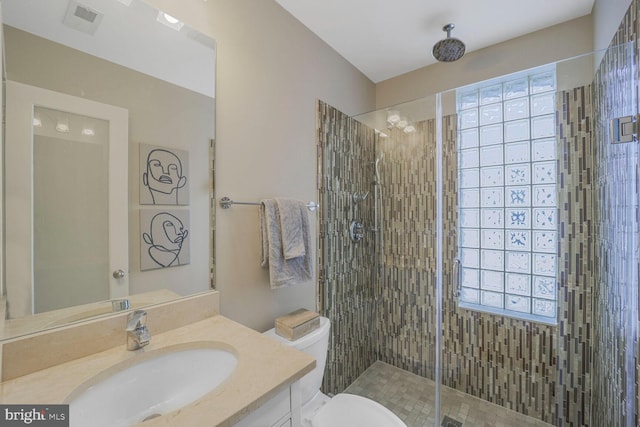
<point>356,231</point>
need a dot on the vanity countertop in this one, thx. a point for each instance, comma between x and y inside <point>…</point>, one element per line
<point>264,367</point>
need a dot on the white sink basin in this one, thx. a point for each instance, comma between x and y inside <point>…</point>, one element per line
<point>150,385</point>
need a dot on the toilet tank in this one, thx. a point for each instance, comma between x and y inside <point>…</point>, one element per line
<point>316,344</point>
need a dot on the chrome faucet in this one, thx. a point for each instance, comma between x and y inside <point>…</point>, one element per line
<point>137,333</point>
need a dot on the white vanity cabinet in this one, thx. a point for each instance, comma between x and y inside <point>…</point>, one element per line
<point>282,410</point>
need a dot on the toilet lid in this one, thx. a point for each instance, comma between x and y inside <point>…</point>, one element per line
<point>349,410</point>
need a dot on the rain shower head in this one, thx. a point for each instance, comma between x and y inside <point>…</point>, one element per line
<point>449,49</point>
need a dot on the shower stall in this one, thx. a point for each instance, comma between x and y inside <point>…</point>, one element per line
<point>497,253</point>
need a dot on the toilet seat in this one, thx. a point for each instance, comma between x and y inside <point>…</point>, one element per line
<point>350,410</point>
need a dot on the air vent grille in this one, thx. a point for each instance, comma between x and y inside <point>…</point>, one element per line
<point>86,14</point>
<point>82,18</point>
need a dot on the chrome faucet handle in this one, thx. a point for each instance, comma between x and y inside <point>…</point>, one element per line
<point>135,320</point>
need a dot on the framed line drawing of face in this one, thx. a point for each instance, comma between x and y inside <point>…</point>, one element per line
<point>164,238</point>
<point>164,176</point>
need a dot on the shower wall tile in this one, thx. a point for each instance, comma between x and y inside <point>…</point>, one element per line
<point>407,301</point>
<point>576,281</point>
<point>487,356</point>
<point>345,280</point>
<point>615,178</point>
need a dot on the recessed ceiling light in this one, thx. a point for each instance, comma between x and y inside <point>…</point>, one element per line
<point>169,21</point>
<point>88,132</point>
<point>37,122</point>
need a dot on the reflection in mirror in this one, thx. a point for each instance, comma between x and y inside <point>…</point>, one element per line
<point>63,178</point>
<point>70,172</point>
<point>127,55</point>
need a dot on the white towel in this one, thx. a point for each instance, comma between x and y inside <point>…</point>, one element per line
<point>276,230</point>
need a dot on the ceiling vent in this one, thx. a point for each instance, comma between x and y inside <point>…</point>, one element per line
<point>82,18</point>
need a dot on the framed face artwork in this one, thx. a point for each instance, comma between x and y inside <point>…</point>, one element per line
<point>164,233</point>
<point>164,238</point>
<point>164,176</point>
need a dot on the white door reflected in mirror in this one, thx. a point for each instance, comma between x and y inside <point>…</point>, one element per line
<point>75,191</point>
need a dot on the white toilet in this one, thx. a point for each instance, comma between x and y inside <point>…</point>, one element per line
<point>343,410</point>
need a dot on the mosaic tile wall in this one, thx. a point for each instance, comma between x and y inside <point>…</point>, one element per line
<point>615,308</point>
<point>501,360</point>
<point>346,277</point>
<point>575,301</point>
<point>407,300</point>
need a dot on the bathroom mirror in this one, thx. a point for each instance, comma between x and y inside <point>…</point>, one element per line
<point>130,56</point>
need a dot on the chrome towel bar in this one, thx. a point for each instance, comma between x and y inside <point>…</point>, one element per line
<point>225,203</point>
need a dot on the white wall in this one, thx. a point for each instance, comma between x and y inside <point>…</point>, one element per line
<point>270,72</point>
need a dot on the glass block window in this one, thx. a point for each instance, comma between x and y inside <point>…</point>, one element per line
<point>507,196</point>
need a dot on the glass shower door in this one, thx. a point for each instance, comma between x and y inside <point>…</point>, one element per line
<point>499,304</point>
<point>404,173</point>
<point>615,207</point>
<point>541,315</point>
<point>499,250</point>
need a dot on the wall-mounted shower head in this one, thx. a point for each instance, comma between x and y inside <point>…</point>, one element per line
<point>449,49</point>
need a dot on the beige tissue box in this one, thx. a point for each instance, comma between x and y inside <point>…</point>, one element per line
<point>297,324</point>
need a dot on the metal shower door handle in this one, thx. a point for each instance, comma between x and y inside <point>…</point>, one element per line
<point>457,278</point>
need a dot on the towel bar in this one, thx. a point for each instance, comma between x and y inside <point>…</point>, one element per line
<point>225,203</point>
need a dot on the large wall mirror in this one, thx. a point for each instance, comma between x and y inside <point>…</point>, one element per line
<point>108,160</point>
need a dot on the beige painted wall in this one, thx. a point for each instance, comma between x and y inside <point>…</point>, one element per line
<point>159,113</point>
<point>541,47</point>
<point>607,15</point>
<point>270,72</point>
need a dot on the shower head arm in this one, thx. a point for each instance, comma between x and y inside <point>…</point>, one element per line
<point>448,29</point>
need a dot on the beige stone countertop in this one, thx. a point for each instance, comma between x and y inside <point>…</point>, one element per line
<point>264,367</point>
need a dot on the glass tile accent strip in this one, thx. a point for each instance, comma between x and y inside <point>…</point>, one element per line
<point>507,178</point>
